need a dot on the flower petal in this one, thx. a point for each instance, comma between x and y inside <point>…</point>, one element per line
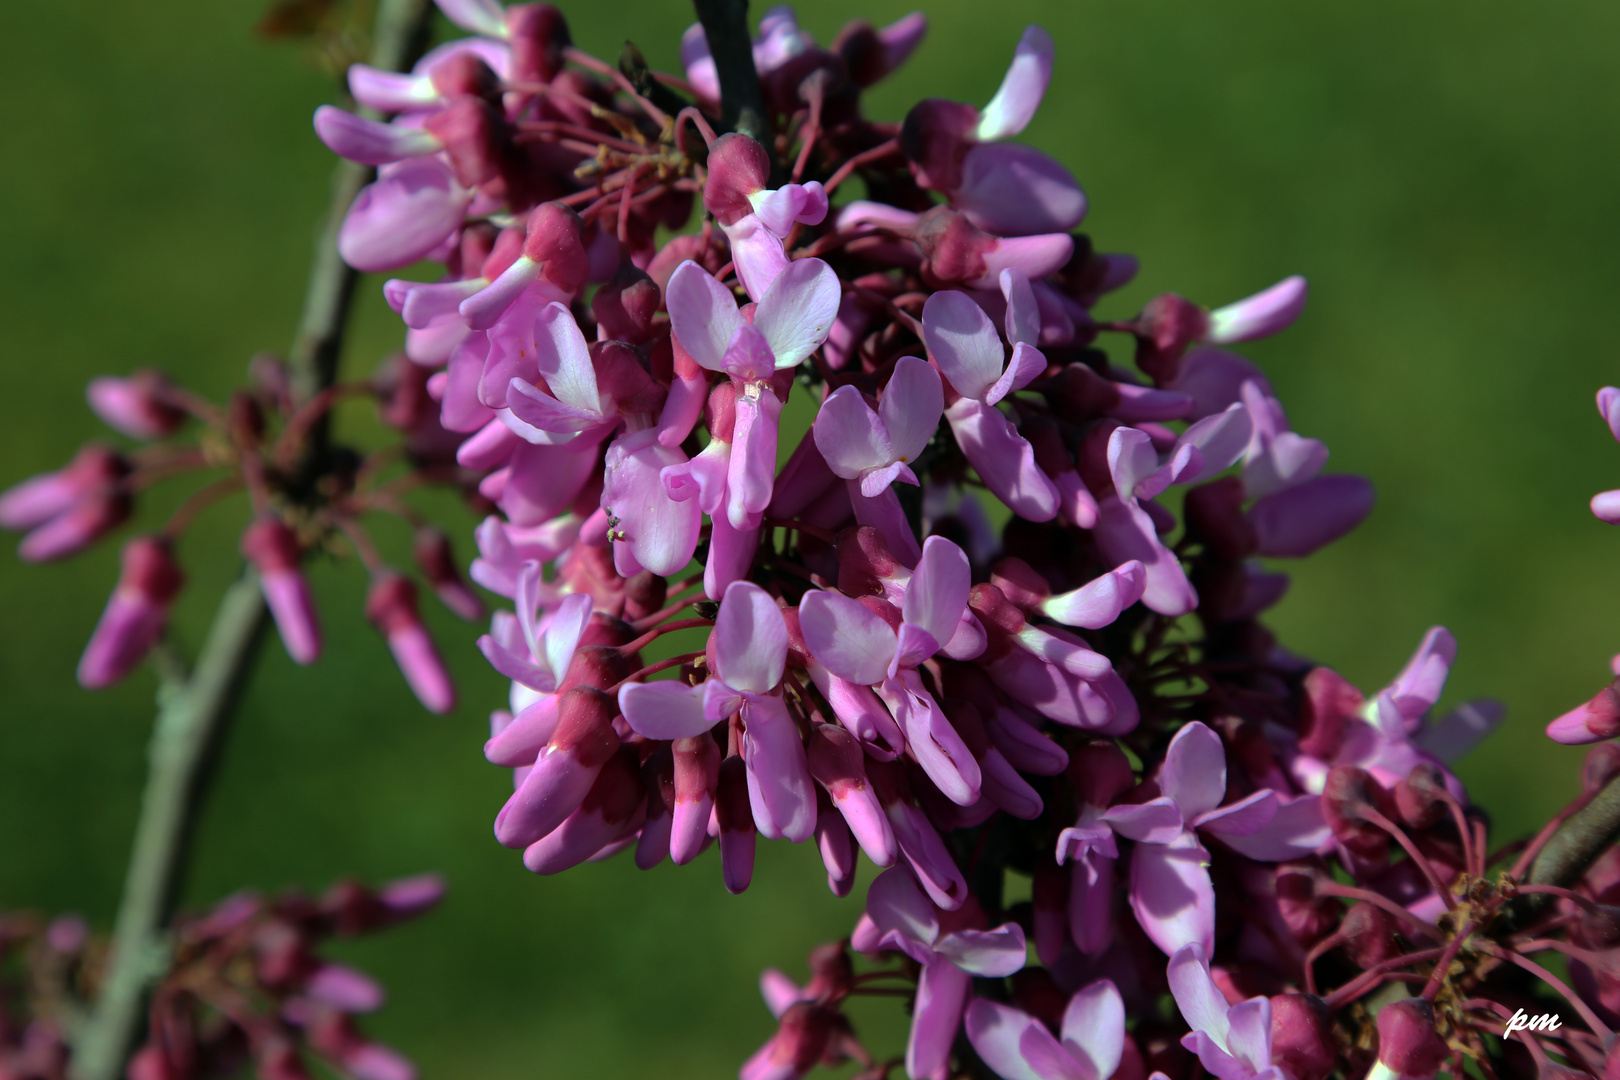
<point>1094,1028</point>
<point>850,640</point>
<point>666,709</point>
<point>989,953</point>
<point>797,311</point>
<point>702,314</point>
<point>938,590</point>
<point>1172,894</point>
<point>849,434</point>
<point>912,404</point>
<point>963,342</point>
<point>1017,1046</point>
<point>750,639</point>
<point>1194,775</point>
<point>1201,1002</point>
<point>1022,88</point>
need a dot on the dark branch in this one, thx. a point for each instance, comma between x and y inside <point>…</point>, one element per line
<point>742,99</point>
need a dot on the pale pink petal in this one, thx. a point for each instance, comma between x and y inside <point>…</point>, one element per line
<point>750,639</point>
<point>849,434</point>
<point>1022,88</point>
<point>912,404</point>
<point>1023,320</point>
<point>963,342</point>
<point>1219,439</point>
<point>938,590</point>
<point>1261,315</point>
<point>564,359</point>
<point>1157,821</point>
<point>942,994</point>
<point>1026,365</point>
<point>797,311</point>
<point>895,902</point>
<point>1131,459</point>
<point>1124,532</point>
<point>779,786</point>
<point>485,17</point>
<point>987,953</point>
<point>1172,894</point>
<point>702,314</point>
<point>370,142</point>
<point>1421,682</point>
<point>1194,775</point>
<point>846,637</point>
<point>1094,1029</point>
<point>1016,1046</point>
<point>1295,830</point>
<point>1009,189</point>
<point>1004,460</point>
<point>1608,403</point>
<point>1201,1002</point>
<point>538,409</point>
<point>1099,602</point>
<point>407,213</point>
<point>752,473</point>
<point>1249,1038</point>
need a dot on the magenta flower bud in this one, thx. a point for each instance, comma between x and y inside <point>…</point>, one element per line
<point>40,498</point>
<point>1419,798</point>
<point>796,1048</point>
<point>135,614</point>
<point>935,136</point>
<point>581,743</point>
<point>1409,1047</point>
<point>697,774</point>
<point>615,806</point>
<point>1369,934</point>
<point>1596,720</point>
<point>836,846</point>
<point>956,253</point>
<point>391,607</point>
<point>625,307</point>
<point>1308,916</point>
<point>344,989</point>
<point>1295,522</point>
<point>438,565</point>
<point>539,37</point>
<point>658,778</point>
<point>462,74</point>
<point>475,137</point>
<point>409,897</point>
<point>1329,702</point>
<point>738,167</point>
<point>272,547</point>
<point>136,406</point>
<point>76,529</point>
<point>838,765</point>
<point>869,54</point>
<point>1302,1039</point>
<point>736,820</point>
<point>553,239</point>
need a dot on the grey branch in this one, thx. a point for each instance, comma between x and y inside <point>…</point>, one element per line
<point>192,713</point>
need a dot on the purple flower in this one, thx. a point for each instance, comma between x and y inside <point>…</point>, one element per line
<point>1233,1042</point>
<point>749,646</point>
<point>951,946</point>
<point>1171,891</point>
<point>859,646</point>
<point>871,450</point>
<point>1019,1047</point>
<point>964,343</point>
<point>791,322</point>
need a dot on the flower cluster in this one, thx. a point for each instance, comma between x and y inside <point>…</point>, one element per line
<point>991,617</point>
<point>304,494</point>
<point>244,985</point>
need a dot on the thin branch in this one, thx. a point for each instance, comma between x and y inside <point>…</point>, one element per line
<point>742,98</point>
<point>193,713</point>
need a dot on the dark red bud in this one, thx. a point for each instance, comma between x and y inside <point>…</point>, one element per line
<point>953,248</point>
<point>1302,1039</point>
<point>1020,583</point>
<point>464,74</point>
<point>1347,795</point>
<point>540,40</point>
<point>585,725</point>
<point>1369,934</point>
<point>1310,917</point>
<point>994,609</point>
<point>596,667</point>
<point>391,603</point>
<point>1101,772</point>
<point>475,137</point>
<point>271,546</point>
<point>554,240</point>
<point>1328,702</point>
<point>935,136</point>
<point>148,569</point>
<point>738,167</point>
<point>644,594</point>
<point>1419,798</point>
<point>1408,1043</point>
<point>624,307</point>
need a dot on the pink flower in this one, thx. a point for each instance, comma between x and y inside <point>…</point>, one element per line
<point>1019,1047</point>
<point>136,613</point>
<point>791,322</point>
<point>1232,1042</point>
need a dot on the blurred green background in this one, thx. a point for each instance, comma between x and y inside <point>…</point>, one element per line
<point>1444,173</point>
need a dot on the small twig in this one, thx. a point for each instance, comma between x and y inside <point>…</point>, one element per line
<point>742,98</point>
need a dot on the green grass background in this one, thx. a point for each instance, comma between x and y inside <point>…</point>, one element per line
<point>1444,173</point>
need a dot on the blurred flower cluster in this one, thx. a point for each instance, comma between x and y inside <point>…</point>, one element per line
<point>991,617</point>
<point>245,985</point>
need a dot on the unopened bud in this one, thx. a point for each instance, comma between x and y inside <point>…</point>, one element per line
<point>391,608</point>
<point>137,406</point>
<point>135,615</point>
<point>1369,934</point>
<point>738,167</point>
<point>1302,1039</point>
<point>1420,798</point>
<point>475,136</point>
<point>1347,795</point>
<point>1326,705</point>
<point>1408,1044</point>
<point>553,240</point>
<point>736,820</point>
<point>540,40</point>
<point>272,547</point>
<point>864,561</point>
<point>1596,720</point>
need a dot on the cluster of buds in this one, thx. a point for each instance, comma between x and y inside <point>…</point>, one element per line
<point>47,970</point>
<point>247,986</point>
<point>304,495</point>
